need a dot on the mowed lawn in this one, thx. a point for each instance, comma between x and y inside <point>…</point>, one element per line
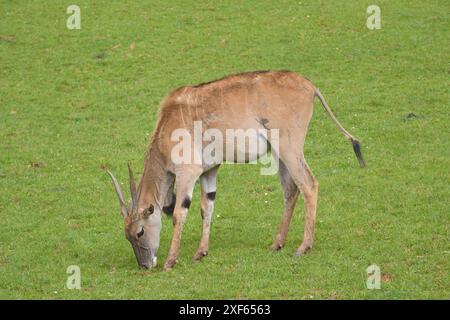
<point>75,101</point>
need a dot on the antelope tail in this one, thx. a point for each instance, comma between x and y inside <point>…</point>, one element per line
<point>355,143</point>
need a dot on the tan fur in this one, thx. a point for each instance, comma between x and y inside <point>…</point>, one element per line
<point>260,100</point>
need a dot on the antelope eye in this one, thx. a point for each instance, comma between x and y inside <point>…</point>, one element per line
<point>141,233</point>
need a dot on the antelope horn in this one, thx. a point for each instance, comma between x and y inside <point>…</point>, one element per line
<point>134,201</point>
<point>123,207</point>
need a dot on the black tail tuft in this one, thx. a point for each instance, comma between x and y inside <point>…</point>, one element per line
<point>357,149</point>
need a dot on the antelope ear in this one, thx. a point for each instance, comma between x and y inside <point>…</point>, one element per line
<point>149,211</point>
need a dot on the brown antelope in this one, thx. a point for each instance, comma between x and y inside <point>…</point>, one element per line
<point>280,100</point>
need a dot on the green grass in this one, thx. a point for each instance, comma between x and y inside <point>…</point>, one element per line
<point>72,101</point>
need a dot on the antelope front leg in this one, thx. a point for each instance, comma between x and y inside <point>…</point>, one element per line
<point>185,185</point>
<point>208,185</point>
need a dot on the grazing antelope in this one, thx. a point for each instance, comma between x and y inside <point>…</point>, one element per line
<point>279,100</point>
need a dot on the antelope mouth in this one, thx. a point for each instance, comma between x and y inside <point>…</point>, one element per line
<point>152,264</point>
<point>145,258</point>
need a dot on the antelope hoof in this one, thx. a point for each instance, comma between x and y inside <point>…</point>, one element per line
<point>304,248</point>
<point>276,246</point>
<point>199,255</point>
<point>168,265</point>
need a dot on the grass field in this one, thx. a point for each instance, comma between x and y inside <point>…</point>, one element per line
<point>74,101</point>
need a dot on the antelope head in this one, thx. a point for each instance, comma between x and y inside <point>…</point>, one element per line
<point>142,226</point>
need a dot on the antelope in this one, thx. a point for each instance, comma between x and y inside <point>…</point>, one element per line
<point>280,100</point>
